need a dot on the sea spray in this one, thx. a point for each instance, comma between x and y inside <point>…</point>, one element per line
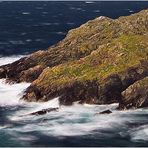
<point>71,122</point>
<point>7,60</point>
<point>10,94</point>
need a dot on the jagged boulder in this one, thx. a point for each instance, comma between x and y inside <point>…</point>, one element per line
<point>106,112</point>
<point>135,96</point>
<point>31,74</point>
<point>83,92</point>
<point>2,73</point>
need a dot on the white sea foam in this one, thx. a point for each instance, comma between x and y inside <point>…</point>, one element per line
<point>89,2</point>
<point>140,133</point>
<point>131,11</point>
<point>79,120</point>
<point>25,13</point>
<point>7,60</point>
<point>69,121</point>
<point>4,126</point>
<point>10,94</point>
<point>73,120</point>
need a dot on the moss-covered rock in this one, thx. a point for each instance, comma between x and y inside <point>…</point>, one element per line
<point>112,68</point>
<point>80,42</point>
<point>93,64</point>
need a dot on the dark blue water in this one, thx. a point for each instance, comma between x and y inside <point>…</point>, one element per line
<point>29,26</point>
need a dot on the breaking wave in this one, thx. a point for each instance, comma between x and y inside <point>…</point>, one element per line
<point>7,60</point>
<point>78,125</point>
<point>10,94</point>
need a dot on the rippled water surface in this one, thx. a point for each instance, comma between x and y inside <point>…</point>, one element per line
<point>29,26</point>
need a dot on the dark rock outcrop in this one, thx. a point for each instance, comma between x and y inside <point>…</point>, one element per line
<point>106,112</point>
<point>31,74</point>
<point>110,90</point>
<point>13,71</point>
<point>42,112</point>
<point>84,92</point>
<point>91,92</point>
<point>135,96</point>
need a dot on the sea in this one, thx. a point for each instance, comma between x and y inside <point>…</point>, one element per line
<point>26,27</point>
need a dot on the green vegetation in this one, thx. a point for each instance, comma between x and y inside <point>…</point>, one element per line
<point>115,57</point>
<point>94,63</point>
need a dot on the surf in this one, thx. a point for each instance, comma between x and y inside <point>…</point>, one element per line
<point>68,122</point>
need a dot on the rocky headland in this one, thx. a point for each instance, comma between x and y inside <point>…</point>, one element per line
<point>103,61</point>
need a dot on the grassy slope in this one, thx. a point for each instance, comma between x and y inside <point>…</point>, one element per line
<point>115,57</point>
<point>81,41</point>
<point>92,52</point>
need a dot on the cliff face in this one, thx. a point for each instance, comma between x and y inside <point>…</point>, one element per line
<point>95,63</point>
<point>98,78</point>
<point>136,95</point>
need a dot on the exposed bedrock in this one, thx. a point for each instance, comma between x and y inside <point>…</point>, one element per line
<point>78,43</point>
<point>24,69</point>
<point>135,96</point>
<point>91,92</point>
<point>97,63</point>
<point>84,92</point>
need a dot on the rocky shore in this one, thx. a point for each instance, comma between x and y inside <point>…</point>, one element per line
<point>103,61</point>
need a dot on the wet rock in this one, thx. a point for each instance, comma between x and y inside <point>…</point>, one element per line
<point>84,92</point>
<point>91,92</point>
<point>43,111</point>
<point>104,112</point>
<point>135,73</point>
<point>110,90</point>
<point>12,71</point>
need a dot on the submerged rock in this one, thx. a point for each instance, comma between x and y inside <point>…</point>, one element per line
<point>106,112</point>
<point>43,111</point>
